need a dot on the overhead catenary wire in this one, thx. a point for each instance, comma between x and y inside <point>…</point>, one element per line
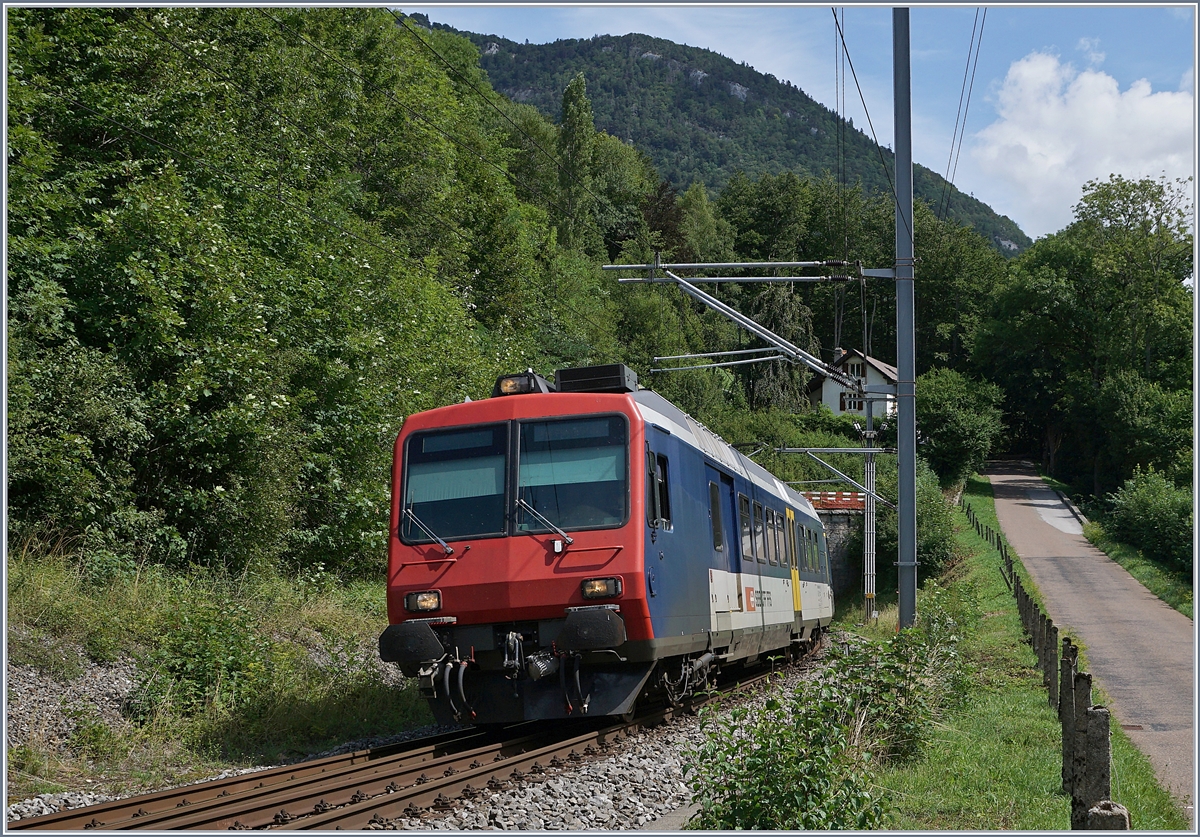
<point>970,88</point>
<point>866,110</point>
<point>973,47</point>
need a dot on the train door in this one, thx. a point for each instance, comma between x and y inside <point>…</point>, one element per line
<point>791,554</point>
<point>724,589</point>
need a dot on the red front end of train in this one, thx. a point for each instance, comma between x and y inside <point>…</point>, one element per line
<point>515,559</point>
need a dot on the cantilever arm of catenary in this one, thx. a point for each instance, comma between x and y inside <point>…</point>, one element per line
<point>854,483</point>
<point>793,352</point>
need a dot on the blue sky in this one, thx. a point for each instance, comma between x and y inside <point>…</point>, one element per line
<point>1061,95</point>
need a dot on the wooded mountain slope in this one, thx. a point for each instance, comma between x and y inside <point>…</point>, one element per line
<point>701,116</point>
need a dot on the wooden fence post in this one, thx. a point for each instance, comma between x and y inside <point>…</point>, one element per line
<point>1083,700</point>
<point>1052,664</point>
<point>1096,781</point>
<point>1066,710</point>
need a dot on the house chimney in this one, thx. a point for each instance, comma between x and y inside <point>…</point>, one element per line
<point>837,354</point>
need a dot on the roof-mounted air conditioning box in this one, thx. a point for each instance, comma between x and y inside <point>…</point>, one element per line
<point>612,377</point>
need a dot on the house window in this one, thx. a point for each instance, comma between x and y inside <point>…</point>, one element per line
<point>855,369</point>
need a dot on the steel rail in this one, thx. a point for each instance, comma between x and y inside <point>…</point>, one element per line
<point>263,807</point>
<point>166,800</point>
<point>440,794</point>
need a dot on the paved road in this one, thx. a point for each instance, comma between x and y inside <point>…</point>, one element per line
<point>1140,651</point>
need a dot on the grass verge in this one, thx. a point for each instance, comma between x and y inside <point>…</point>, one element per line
<point>994,761</point>
<point>232,672</point>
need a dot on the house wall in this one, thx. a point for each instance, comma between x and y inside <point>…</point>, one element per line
<point>831,392</point>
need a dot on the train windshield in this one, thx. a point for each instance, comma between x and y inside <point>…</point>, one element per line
<point>455,483</point>
<point>574,472</point>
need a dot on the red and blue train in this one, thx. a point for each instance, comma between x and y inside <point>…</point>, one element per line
<point>570,548</point>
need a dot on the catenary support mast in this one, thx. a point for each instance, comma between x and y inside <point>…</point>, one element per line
<point>905,338</point>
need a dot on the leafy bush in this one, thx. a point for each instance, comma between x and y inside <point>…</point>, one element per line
<point>209,656</point>
<point>754,771</point>
<point>806,761</point>
<point>935,523</point>
<point>1150,513</point>
<point>958,420</point>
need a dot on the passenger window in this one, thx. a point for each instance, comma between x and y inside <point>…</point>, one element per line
<point>744,520</point>
<point>714,514</point>
<point>760,540</point>
<point>780,543</point>
<point>776,540</point>
<point>813,554</point>
<point>791,542</point>
<point>770,521</point>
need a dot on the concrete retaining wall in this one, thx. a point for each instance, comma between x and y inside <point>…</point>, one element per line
<point>844,534</point>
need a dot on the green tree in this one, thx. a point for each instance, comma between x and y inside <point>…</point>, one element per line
<point>958,422</point>
<point>1074,313</point>
<point>576,144</point>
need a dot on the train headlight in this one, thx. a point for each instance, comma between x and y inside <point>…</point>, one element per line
<point>527,381</point>
<point>601,588</point>
<point>515,384</point>
<point>423,602</point>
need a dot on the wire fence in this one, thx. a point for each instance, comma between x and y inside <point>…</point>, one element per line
<point>1086,730</point>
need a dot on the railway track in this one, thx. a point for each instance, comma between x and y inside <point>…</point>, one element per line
<point>356,790</point>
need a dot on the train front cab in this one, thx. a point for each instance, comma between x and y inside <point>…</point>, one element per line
<point>538,610</point>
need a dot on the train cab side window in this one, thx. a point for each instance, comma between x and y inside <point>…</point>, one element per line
<point>760,540</point>
<point>663,487</point>
<point>714,515</point>
<point>658,494</point>
<point>744,522</point>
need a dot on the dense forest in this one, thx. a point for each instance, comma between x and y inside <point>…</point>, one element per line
<point>244,244</point>
<point>702,117</point>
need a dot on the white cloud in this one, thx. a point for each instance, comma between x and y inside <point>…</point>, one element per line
<point>1059,128</point>
<point>1091,48</point>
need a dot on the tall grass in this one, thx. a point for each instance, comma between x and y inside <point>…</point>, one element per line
<point>233,670</point>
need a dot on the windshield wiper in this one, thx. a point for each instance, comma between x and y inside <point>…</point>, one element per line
<point>408,512</point>
<point>521,502</point>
